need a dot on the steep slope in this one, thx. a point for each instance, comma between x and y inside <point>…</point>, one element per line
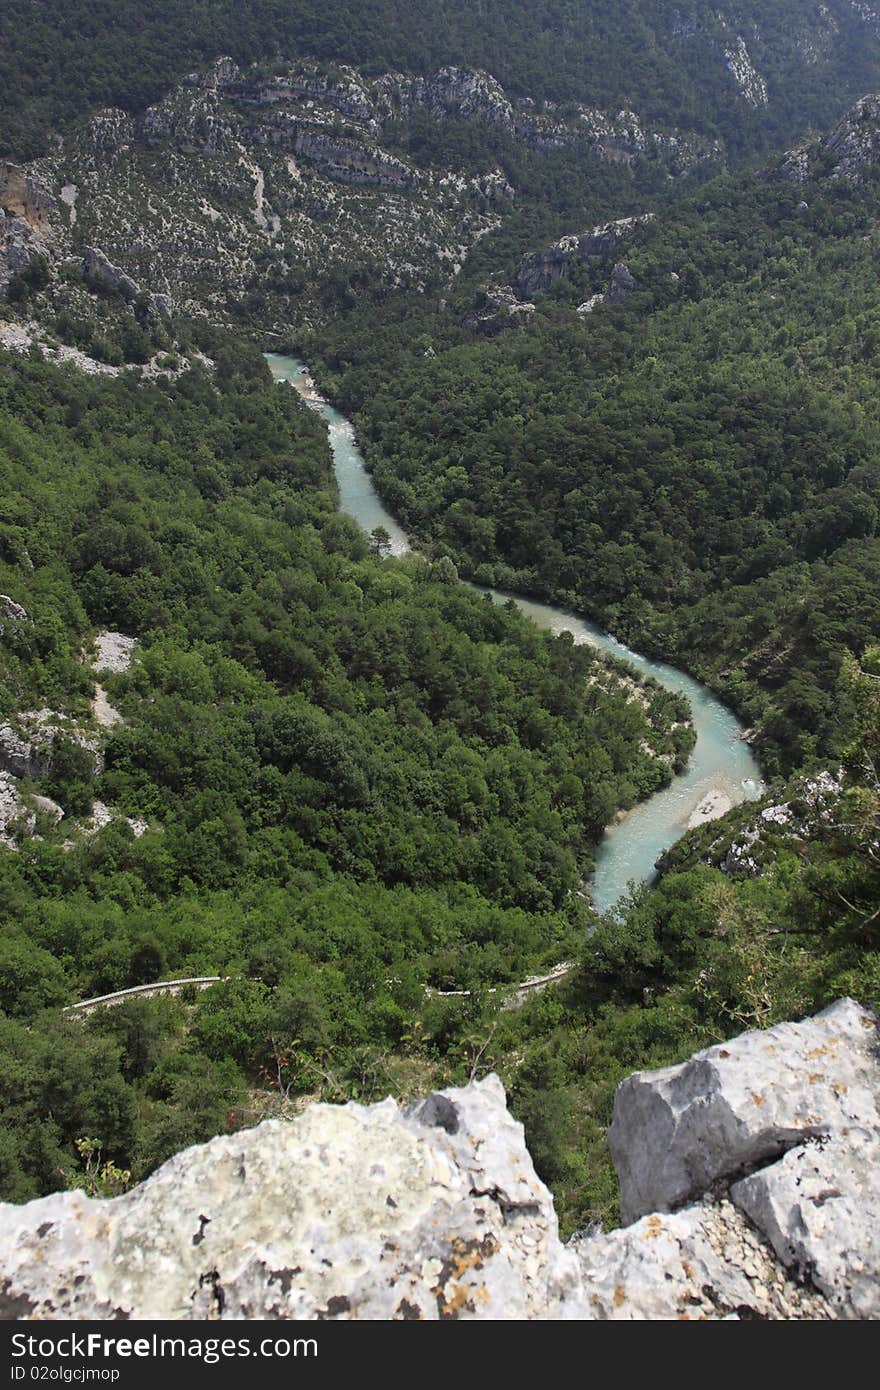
<point>676,432</point>
<point>742,69</point>
<point>278,197</point>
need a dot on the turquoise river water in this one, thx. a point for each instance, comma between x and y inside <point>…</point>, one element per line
<point>721,772</point>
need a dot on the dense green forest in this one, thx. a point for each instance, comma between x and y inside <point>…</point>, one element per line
<point>696,466</point>
<point>364,785</point>
<point>60,58</point>
<point>360,778</point>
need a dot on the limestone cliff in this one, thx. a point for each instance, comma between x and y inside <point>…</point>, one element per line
<point>258,191</point>
<point>766,1147</point>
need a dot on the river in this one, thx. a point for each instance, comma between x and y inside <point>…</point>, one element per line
<point>721,771</point>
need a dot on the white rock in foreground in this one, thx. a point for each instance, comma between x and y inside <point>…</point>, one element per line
<point>741,1104</point>
<point>348,1211</point>
<point>372,1212</point>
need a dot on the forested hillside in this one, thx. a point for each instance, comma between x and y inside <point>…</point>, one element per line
<point>748,71</point>
<point>359,779</point>
<point>695,465</point>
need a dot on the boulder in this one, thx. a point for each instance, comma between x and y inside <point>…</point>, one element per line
<point>819,1206</point>
<point>346,1212</point>
<point>622,283</point>
<point>742,1104</point>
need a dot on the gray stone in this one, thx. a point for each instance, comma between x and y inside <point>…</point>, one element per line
<point>702,1262</point>
<point>103,275</point>
<point>11,612</point>
<point>538,271</point>
<point>855,141</point>
<point>20,756</point>
<point>45,806</point>
<point>732,1107</point>
<point>819,1207</point>
<point>348,1211</point>
<point>622,283</point>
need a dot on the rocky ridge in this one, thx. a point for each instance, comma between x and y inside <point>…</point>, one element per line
<point>749,1174</point>
<point>539,270</point>
<point>747,844</point>
<point>27,742</point>
<point>268,184</point>
<point>849,152</point>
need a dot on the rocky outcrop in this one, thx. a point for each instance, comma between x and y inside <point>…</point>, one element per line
<point>855,141</point>
<point>346,161</point>
<point>22,756</point>
<point>26,208</point>
<point>499,308</point>
<point>851,149</point>
<point>752,87</point>
<point>26,746</point>
<point>622,283</point>
<point>110,131</point>
<point>24,196</point>
<point>102,275</point>
<point>19,813</point>
<point>538,271</point>
<point>734,1106</point>
<point>767,1146</point>
<point>705,1262</point>
<point>348,1212</point>
<point>11,613</point>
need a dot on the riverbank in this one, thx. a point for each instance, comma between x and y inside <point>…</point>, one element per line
<point>721,771</point>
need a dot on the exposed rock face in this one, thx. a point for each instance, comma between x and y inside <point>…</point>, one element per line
<point>26,207</point>
<point>101,273</point>
<point>810,807</point>
<point>18,813</point>
<point>809,1092</point>
<point>436,1212</point>
<point>349,1211</point>
<point>538,271</point>
<point>500,309</point>
<point>13,812</point>
<point>622,283</point>
<point>11,612</point>
<point>820,1209</point>
<point>855,141</point>
<point>852,147</point>
<point>346,161</point>
<point>24,196</point>
<point>706,1261</point>
<point>752,86</point>
<point>26,749</point>
<point>20,756</point>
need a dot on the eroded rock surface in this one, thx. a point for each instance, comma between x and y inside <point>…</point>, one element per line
<point>538,271</point>
<point>742,1104</point>
<point>348,1211</point>
<point>436,1212</point>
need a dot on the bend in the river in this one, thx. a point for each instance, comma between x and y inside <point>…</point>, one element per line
<point>721,771</point>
